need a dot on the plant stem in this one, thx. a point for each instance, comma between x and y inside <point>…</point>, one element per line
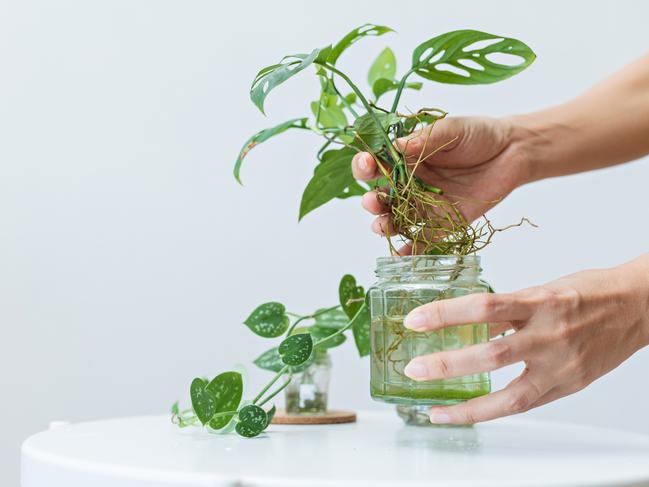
<point>367,106</point>
<point>397,96</point>
<point>279,389</point>
<point>342,330</point>
<point>306,317</point>
<point>281,372</point>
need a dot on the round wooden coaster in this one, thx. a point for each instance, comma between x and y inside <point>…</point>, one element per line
<point>330,417</point>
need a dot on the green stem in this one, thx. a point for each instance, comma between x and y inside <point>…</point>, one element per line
<point>281,372</point>
<point>306,317</point>
<point>397,96</point>
<point>341,330</point>
<point>367,106</point>
<point>279,389</point>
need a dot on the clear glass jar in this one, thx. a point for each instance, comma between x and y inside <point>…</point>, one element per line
<point>403,284</point>
<point>307,393</point>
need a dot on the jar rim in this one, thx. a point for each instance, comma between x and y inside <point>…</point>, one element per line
<point>427,264</point>
<point>442,260</point>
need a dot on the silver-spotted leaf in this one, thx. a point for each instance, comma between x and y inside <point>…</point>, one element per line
<point>227,389</point>
<point>271,360</point>
<point>203,401</point>
<point>296,349</point>
<point>268,320</point>
<point>252,421</point>
<point>351,295</point>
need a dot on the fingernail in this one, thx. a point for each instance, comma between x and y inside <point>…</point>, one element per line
<point>362,163</point>
<point>439,418</point>
<point>415,370</point>
<point>415,320</point>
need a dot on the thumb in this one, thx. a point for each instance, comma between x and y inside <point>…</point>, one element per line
<point>434,143</point>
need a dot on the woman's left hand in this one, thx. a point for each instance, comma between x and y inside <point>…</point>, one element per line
<point>568,333</point>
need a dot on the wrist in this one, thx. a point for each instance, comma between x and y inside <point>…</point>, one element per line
<point>636,273</point>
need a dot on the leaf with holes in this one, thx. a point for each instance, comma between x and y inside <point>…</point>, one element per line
<point>361,330</point>
<point>227,389</point>
<point>353,36</point>
<point>332,176</point>
<point>351,296</point>
<point>368,134</point>
<point>273,76</point>
<point>384,67</point>
<point>268,320</point>
<point>354,189</point>
<point>252,421</point>
<point>262,136</point>
<point>455,58</point>
<point>296,349</point>
<point>203,401</point>
<point>271,360</point>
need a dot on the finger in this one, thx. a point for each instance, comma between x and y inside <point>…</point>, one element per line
<point>483,357</point>
<point>473,308</point>
<point>496,329</point>
<point>375,202</point>
<point>364,167</point>
<point>519,396</point>
<point>433,141</point>
<point>383,225</point>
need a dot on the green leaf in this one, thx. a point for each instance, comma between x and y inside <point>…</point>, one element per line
<point>452,58</point>
<point>328,115</point>
<point>227,389</point>
<point>361,330</point>
<point>351,296</point>
<point>175,409</point>
<point>203,401</point>
<point>262,136</point>
<point>368,134</point>
<point>354,189</point>
<point>296,349</point>
<point>356,34</point>
<point>331,177</point>
<point>271,360</point>
<point>334,318</point>
<point>270,415</point>
<point>268,320</point>
<point>252,421</point>
<point>382,86</point>
<point>273,76</point>
<point>322,332</point>
<point>385,66</point>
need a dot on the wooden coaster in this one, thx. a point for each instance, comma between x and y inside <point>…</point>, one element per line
<point>330,417</point>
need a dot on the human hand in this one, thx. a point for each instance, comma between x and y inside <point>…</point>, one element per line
<point>481,164</point>
<point>568,333</point>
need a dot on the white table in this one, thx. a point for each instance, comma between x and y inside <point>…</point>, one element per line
<point>377,451</point>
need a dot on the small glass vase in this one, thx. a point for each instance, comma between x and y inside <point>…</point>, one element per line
<point>403,284</point>
<point>308,391</point>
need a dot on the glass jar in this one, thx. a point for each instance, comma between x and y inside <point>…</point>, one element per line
<point>403,284</point>
<point>307,393</point>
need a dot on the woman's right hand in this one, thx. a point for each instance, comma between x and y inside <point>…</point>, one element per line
<point>481,163</point>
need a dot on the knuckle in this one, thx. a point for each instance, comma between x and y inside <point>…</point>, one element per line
<point>517,403</point>
<point>498,353</point>
<point>441,365</point>
<point>437,312</point>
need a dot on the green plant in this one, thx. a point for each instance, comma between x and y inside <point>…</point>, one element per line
<point>217,403</point>
<point>352,121</point>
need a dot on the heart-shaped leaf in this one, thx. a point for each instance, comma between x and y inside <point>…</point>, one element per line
<point>331,177</point>
<point>262,136</point>
<point>252,421</point>
<point>455,57</point>
<point>273,76</point>
<point>227,389</point>
<point>203,401</point>
<point>271,360</point>
<point>361,330</point>
<point>296,349</point>
<point>270,415</point>
<point>353,36</point>
<point>385,66</point>
<point>368,134</point>
<point>268,320</point>
<point>351,296</point>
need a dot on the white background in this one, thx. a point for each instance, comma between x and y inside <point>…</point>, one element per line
<point>129,256</point>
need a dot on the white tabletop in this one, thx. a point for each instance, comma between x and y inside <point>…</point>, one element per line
<point>378,450</point>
